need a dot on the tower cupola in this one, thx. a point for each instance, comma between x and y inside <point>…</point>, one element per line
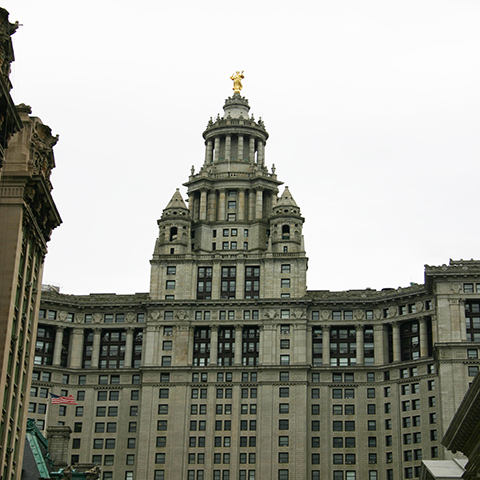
<point>286,225</point>
<point>175,227</point>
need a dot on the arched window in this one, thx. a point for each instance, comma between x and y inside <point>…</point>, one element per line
<point>173,233</point>
<point>285,232</point>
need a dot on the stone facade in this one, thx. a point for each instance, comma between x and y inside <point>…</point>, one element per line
<point>27,217</point>
<point>229,369</point>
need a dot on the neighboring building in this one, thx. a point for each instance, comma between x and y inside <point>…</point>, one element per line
<point>27,218</point>
<point>229,369</point>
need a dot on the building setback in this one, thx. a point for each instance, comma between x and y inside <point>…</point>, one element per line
<point>229,369</point>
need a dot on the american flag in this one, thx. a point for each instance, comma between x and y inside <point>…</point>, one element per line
<point>57,399</point>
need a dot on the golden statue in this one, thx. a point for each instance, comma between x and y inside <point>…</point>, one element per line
<point>237,81</point>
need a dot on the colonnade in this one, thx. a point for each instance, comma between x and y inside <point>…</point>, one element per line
<point>212,205</point>
<point>243,149</point>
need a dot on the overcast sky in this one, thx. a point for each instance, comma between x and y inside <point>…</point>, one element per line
<point>372,106</point>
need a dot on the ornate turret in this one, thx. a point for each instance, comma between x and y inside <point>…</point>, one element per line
<point>174,233</point>
<point>286,225</point>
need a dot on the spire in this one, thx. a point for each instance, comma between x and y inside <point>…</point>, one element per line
<point>176,201</point>
<point>286,199</point>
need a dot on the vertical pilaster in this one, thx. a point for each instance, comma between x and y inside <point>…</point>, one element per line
<point>251,204</point>
<point>259,204</point>
<point>378,345</point>
<point>397,351</point>
<point>191,331</point>
<point>252,150</point>
<point>240,148</point>
<point>326,345</point>
<point>214,345</point>
<point>128,348</point>
<point>221,206</point>
<point>203,204</point>
<point>240,281</point>
<point>216,282</point>
<point>76,348</point>
<point>57,349</point>
<point>241,204</point>
<point>212,206</point>
<point>97,333</point>
<point>423,338</point>
<point>238,344</point>
<point>217,149</point>
<point>309,340</point>
<point>191,202</point>
<point>360,348</point>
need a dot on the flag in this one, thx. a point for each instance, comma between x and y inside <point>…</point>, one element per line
<point>57,399</point>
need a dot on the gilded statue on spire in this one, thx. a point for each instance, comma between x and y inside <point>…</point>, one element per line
<point>237,81</point>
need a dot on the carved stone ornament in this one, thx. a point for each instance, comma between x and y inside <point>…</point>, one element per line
<point>154,315</point>
<point>62,315</point>
<point>182,315</point>
<point>97,317</point>
<point>358,314</point>
<point>456,287</point>
<point>419,306</point>
<point>80,318</point>
<point>392,311</point>
<point>326,314</point>
<point>130,317</point>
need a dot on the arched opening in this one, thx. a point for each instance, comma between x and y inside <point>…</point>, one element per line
<point>173,233</point>
<point>285,232</point>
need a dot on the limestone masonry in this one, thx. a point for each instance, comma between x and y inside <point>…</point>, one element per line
<point>229,369</point>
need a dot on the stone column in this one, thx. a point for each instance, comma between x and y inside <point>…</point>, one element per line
<point>209,152</point>
<point>221,206</point>
<point>228,146</point>
<point>203,204</point>
<point>240,148</point>
<point>309,346</point>
<point>238,344</point>
<point>191,331</point>
<point>128,348</point>
<point>252,150</point>
<point>57,350</point>
<point>259,204</point>
<point>212,206</point>
<point>423,337</point>
<point>240,280</point>
<point>191,203</point>
<point>251,204</point>
<point>214,345</point>
<point>261,153</point>
<point>397,348</point>
<point>97,333</point>
<point>261,341</point>
<point>76,348</point>
<point>326,345</point>
<point>217,149</point>
<point>241,204</point>
<point>360,349</point>
<point>378,345</point>
<point>216,280</point>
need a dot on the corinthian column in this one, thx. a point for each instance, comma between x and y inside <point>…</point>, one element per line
<point>360,349</point>
<point>57,350</point>
<point>238,344</point>
<point>97,333</point>
<point>128,348</point>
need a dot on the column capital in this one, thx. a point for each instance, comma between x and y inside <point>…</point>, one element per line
<point>129,330</point>
<point>214,327</point>
<point>97,331</point>
<point>359,327</point>
<point>239,327</point>
<point>60,328</point>
<point>422,320</point>
<point>326,328</point>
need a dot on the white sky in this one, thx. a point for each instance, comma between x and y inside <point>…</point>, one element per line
<point>372,106</point>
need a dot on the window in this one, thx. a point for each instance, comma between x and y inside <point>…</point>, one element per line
<point>284,392</point>
<point>284,344</point>
<point>283,457</point>
<point>371,409</point>
<point>285,268</point>
<point>283,408</point>
<point>372,441</point>
<point>285,283</point>
<point>370,393</point>
<point>283,424</point>
<point>284,359</point>
<point>283,441</point>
